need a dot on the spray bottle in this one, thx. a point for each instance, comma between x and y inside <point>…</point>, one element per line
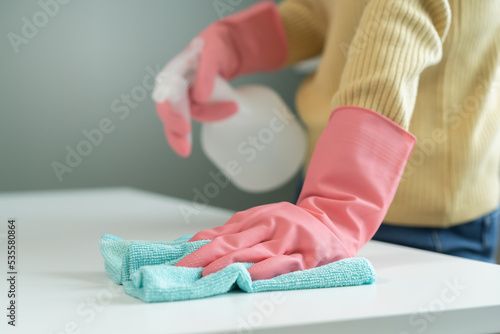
<point>259,148</point>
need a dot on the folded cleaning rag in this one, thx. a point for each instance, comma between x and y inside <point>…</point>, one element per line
<point>147,271</point>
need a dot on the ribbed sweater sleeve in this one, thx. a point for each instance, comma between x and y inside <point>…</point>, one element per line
<point>395,41</point>
<point>305,23</point>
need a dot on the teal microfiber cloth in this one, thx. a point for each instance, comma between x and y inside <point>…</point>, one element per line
<point>147,271</point>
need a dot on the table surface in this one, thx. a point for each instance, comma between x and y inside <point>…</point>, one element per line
<point>63,288</point>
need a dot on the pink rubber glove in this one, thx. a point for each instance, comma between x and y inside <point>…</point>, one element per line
<point>250,41</point>
<point>352,178</point>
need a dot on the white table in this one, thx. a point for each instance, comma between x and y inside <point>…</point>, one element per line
<point>63,287</point>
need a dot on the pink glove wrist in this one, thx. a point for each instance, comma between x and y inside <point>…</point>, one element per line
<point>258,38</point>
<point>354,173</point>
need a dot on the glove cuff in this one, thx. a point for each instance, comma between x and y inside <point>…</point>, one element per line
<point>354,173</point>
<point>258,37</point>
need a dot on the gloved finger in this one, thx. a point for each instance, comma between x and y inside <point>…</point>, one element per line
<point>276,265</point>
<point>238,222</point>
<point>179,143</point>
<point>212,233</point>
<point>213,112</point>
<point>173,121</point>
<point>223,245</point>
<point>204,81</point>
<point>256,253</point>
<point>261,213</point>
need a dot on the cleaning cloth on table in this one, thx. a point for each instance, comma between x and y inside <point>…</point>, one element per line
<point>147,271</point>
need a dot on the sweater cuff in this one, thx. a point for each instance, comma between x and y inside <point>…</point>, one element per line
<point>305,24</point>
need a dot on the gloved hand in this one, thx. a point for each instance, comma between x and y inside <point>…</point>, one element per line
<point>351,180</point>
<point>250,41</point>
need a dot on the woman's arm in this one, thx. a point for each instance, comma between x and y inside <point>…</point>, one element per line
<point>395,41</point>
<point>305,23</point>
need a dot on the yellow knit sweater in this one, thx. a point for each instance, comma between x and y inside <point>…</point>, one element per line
<point>433,66</point>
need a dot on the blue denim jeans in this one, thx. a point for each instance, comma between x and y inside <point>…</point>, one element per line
<point>476,239</point>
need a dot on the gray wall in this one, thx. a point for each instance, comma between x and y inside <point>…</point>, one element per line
<point>65,77</point>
